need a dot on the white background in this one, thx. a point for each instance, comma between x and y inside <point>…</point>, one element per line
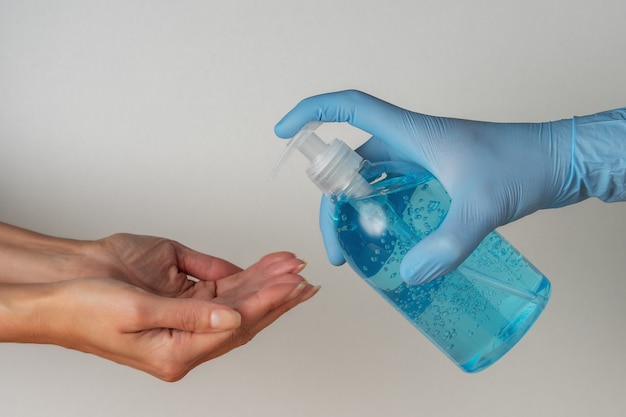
<point>156,117</point>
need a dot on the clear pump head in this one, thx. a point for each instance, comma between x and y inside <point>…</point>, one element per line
<point>333,167</point>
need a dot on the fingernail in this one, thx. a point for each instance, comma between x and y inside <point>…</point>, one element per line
<point>296,291</point>
<point>222,319</point>
<point>300,267</point>
<point>315,290</point>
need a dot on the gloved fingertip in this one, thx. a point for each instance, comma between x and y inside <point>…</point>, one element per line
<point>336,259</point>
<point>427,261</point>
<point>333,250</point>
<point>281,130</point>
<point>293,121</point>
<point>413,274</point>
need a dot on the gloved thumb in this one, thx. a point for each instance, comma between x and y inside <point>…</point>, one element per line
<point>443,250</point>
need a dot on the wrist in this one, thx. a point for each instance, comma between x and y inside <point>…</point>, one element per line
<point>29,257</point>
<point>562,150</point>
<point>599,157</point>
<point>27,312</point>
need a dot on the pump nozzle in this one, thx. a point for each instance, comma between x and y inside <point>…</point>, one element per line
<point>300,142</point>
<point>333,167</point>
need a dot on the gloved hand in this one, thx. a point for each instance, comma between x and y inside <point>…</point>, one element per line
<point>495,173</point>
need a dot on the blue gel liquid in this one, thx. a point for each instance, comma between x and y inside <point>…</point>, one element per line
<point>474,314</point>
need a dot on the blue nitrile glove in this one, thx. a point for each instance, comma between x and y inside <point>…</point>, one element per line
<point>495,173</point>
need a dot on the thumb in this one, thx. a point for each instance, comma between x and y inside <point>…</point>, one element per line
<point>191,315</point>
<point>443,250</point>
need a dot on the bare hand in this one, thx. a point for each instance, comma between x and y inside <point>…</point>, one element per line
<point>146,302</point>
<point>166,336</point>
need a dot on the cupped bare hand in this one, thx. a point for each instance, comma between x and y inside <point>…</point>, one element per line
<point>153,318</point>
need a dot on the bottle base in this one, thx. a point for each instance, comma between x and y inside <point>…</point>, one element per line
<point>504,340</point>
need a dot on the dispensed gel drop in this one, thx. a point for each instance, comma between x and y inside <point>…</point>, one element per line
<point>474,314</point>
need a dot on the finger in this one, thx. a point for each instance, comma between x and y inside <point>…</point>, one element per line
<point>278,263</point>
<point>329,233</point>
<point>202,266</point>
<point>257,314</point>
<point>375,150</point>
<point>444,249</point>
<point>357,108</point>
<point>267,299</point>
<point>191,315</point>
<point>274,268</point>
<point>270,316</point>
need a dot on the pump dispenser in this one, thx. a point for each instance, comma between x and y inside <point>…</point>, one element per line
<point>334,168</point>
<point>474,314</point>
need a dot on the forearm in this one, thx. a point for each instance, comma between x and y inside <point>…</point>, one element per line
<point>28,257</point>
<point>25,312</point>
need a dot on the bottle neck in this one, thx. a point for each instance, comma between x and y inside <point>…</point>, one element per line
<point>336,171</point>
<point>357,187</point>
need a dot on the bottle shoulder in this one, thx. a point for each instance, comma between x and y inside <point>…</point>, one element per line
<point>391,177</point>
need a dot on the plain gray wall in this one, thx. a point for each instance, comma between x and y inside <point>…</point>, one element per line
<point>156,117</point>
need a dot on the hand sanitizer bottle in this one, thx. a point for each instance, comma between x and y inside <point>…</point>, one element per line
<point>474,314</point>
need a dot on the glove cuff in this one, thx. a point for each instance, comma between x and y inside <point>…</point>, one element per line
<point>599,156</point>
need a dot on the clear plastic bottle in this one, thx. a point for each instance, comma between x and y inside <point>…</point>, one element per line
<point>474,314</point>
